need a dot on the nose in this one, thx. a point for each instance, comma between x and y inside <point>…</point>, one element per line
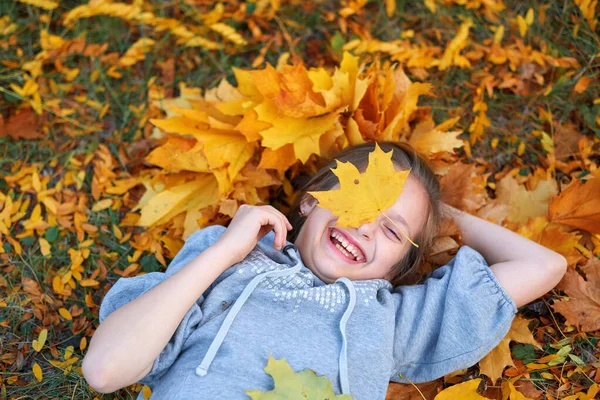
<point>367,230</point>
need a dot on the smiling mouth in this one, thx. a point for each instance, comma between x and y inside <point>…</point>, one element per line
<point>348,250</point>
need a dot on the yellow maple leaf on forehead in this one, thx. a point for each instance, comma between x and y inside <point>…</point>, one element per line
<point>362,197</point>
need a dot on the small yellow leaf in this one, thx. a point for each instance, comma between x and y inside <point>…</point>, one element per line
<point>102,205</point>
<point>431,5</point>
<point>499,34</point>
<point>40,341</point>
<point>37,372</point>
<point>35,182</point>
<point>68,352</point>
<point>529,16</point>
<point>146,392</point>
<point>535,366</point>
<point>547,375</point>
<point>390,7</point>
<point>83,343</point>
<point>65,314</point>
<point>117,232</point>
<point>522,25</point>
<point>89,283</point>
<point>44,247</point>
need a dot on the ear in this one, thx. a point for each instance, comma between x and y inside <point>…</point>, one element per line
<point>307,204</point>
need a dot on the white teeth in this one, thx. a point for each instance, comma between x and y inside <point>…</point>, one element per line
<point>346,248</point>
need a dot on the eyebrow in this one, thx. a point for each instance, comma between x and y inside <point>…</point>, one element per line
<point>399,218</point>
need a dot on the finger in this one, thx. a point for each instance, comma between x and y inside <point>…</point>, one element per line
<point>286,221</point>
<point>278,227</point>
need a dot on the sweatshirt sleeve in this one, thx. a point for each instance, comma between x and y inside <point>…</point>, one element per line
<point>451,321</point>
<point>127,289</point>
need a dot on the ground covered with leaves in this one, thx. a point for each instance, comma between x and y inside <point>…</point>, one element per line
<point>126,126</point>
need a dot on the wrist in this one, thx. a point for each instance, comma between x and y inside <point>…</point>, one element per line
<point>449,212</point>
<point>225,253</point>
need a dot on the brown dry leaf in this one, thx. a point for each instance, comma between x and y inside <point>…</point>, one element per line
<point>578,206</point>
<point>582,309</point>
<point>24,125</point>
<point>462,188</point>
<point>409,392</point>
<point>510,392</point>
<point>566,140</point>
<point>496,360</point>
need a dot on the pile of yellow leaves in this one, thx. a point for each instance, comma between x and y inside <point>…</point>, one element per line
<point>231,144</point>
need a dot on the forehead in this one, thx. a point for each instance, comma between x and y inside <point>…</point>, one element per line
<point>412,204</point>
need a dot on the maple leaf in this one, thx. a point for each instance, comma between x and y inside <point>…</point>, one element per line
<point>578,206</point>
<point>463,188</point>
<point>177,155</point>
<point>200,192</point>
<point>303,133</point>
<point>429,139</point>
<point>496,360</point>
<point>290,385</point>
<point>583,306</point>
<point>362,197</point>
<point>524,203</point>
<point>291,90</point>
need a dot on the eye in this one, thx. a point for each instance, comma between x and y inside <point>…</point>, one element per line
<point>394,233</point>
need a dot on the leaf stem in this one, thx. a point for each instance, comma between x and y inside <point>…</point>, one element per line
<point>403,377</point>
<point>404,233</point>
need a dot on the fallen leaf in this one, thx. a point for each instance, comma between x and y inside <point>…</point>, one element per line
<point>463,391</point>
<point>578,206</point>
<point>38,343</point>
<point>290,385</point>
<point>37,372</point>
<point>582,308</point>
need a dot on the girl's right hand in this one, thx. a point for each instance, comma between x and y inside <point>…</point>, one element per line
<point>248,226</point>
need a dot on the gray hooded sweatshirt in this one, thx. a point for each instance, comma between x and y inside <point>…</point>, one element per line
<point>359,334</point>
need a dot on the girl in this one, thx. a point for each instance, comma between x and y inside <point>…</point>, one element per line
<point>333,301</point>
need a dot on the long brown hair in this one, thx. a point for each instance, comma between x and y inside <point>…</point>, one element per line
<point>404,156</point>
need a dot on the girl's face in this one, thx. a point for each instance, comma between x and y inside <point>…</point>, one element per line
<point>376,246</point>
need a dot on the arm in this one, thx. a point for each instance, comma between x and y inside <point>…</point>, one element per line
<point>525,269</point>
<point>128,341</point>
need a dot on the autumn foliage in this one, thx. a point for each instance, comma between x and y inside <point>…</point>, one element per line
<point>127,126</point>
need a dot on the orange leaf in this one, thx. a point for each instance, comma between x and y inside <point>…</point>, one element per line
<point>25,125</point>
<point>578,206</point>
